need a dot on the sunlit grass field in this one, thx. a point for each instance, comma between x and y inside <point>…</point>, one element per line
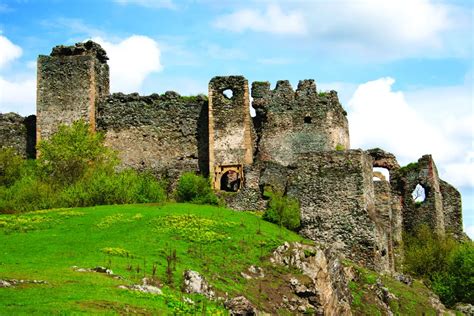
<point>134,241</point>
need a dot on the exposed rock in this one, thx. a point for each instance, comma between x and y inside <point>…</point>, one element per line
<point>144,288</point>
<point>14,282</point>
<point>240,306</point>
<point>98,270</point>
<point>408,280</point>
<point>195,283</point>
<point>4,283</point>
<point>254,272</point>
<point>328,292</point>
<point>466,309</point>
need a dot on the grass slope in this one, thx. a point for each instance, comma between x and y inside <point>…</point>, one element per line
<point>130,239</point>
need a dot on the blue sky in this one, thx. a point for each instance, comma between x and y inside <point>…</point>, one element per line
<point>403,68</point>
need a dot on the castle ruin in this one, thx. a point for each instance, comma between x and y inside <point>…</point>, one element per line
<point>297,144</point>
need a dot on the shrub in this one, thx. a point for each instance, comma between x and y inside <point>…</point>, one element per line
<point>10,166</point>
<point>283,210</point>
<point>426,252</point>
<point>25,195</point>
<point>71,151</point>
<point>446,264</point>
<point>99,187</point>
<point>195,189</point>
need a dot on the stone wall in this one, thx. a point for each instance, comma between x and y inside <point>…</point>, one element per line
<point>452,208</point>
<point>290,123</point>
<point>19,133</point>
<point>430,211</point>
<point>163,133</point>
<point>230,135</point>
<point>70,83</point>
<point>336,195</point>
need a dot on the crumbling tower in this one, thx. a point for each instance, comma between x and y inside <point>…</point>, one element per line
<point>230,140</point>
<point>70,82</point>
<point>291,123</point>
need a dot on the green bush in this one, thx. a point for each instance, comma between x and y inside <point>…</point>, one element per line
<point>74,169</point>
<point>283,210</point>
<point>71,152</point>
<point>445,263</point>
<point>10,166</point>
<point>125,187</point>
<point>195,189</point>
<point>25,195</point>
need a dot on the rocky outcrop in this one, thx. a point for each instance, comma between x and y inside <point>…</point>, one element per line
<point>240,306</point>
<point>195,283</point>
<point>327,291</point>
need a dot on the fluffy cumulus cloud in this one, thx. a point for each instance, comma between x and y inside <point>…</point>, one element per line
<point>18,96</point>
<point>132,60</point>
<point>374,29</point>
<point>8,51</point>
<point>272,19</point>
<point>397,122</point>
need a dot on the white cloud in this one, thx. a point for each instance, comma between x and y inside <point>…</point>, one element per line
<point>373,29</point>
<point>470,231</point>
<point>131,61</point>
<point>18,96</point>
<point>8,51</point>
<point>271,20</point>
<point>381,117</point>
<point>154,4</point>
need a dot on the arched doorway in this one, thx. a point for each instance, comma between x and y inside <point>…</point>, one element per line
<point>228,178</point>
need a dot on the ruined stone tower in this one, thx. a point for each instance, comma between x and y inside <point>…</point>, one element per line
<point>297,145</point>
<point>230,141</point>
<point>290,123</point>
<point>70,83</point>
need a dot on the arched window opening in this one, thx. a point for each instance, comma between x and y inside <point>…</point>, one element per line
<point>228,93</point>
<point>381,174</point>
<point>419,194</point>
<point>230,181</point>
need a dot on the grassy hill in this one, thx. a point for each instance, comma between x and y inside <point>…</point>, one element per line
<point>130,240</point>
<point>158,242</point>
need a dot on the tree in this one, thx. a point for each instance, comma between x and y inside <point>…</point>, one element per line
<point>71,152</point>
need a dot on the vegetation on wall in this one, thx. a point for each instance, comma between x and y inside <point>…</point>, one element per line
<point>283,210</point>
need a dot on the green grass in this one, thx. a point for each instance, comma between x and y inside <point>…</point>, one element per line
<point>44,245</point>
<point>411,300</point>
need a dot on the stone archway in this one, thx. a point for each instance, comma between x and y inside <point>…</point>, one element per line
<point>228,178</point>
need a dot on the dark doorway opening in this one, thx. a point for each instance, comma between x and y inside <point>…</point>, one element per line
<point>230,181</point>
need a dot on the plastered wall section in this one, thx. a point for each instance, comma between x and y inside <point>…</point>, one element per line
<point>230,136</point>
